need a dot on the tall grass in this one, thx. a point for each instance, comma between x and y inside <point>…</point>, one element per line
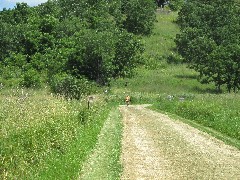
<point>41,134</point>
<point>104,162</point>
<point>68,165</point>
<point>161,43</point>
<point>170,79</point>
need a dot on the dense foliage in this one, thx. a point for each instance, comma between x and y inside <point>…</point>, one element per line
<point>209,41</point>
<point>176,5</point>
<point>139,19</point>
<point>89,40</point>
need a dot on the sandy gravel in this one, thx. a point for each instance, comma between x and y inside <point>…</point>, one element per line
<point>156,147</point>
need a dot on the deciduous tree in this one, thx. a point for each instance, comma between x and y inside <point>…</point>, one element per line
<point>209,41</point>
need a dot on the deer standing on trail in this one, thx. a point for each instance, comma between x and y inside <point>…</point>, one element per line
<point>127,100</point>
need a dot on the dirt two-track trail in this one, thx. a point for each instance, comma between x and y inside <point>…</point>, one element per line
<point>156,147</point>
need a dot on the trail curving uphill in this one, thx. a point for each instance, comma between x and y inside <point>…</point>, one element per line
<point>156,147</point>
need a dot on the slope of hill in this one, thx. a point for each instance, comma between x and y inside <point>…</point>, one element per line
<point>157,75</point>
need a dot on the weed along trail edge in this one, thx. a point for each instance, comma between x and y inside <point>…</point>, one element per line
<point>157,147</point>
<point>103,162</point>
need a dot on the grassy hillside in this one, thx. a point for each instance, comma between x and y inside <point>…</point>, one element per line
<point>158,76</point>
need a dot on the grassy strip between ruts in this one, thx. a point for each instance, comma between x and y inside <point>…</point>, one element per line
<point>104,162</point>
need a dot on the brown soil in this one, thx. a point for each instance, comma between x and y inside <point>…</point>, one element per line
<point>156,147</point>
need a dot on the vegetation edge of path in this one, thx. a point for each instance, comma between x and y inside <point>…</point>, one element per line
<point>226,139</point>
<point>104,161</point>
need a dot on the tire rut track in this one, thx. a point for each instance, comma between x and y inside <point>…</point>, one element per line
<point>155,147</point>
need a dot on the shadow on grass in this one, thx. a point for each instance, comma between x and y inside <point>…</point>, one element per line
<point>206,90</point>
<point>186,76</point>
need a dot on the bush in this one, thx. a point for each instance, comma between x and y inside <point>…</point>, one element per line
<point>128,54</point>
<point>71,87</point>
<point>140,15</point>
<point>84,116</point>
<point>31,78</point>
<point>174,58</point>
<point>176,4</point>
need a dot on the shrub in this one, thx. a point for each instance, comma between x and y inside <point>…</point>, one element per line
<point>140,15</point>
<point>31,78</point>
<point>174,58</point>
<point>71,87</point>
<point>84,116</point>
<point>176,4</point>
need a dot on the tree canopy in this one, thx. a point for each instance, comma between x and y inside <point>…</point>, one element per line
<point>209,40</point>
<point>85,39</point>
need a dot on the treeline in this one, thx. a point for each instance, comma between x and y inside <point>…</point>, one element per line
<point>72,43</point>
<point>210,41</point>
